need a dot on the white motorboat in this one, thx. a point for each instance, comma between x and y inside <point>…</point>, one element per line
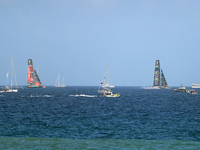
<point>192,91</point>
<point>109,93</point>
<point>195,85</point>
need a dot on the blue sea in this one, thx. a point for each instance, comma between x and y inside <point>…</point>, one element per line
<point>79,118</point>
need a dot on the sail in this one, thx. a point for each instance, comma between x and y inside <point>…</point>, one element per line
<point>57,81</point>
<point>156,81</point>
<point>36,79</point>
<point>163,80</point>
<point>32,76</point>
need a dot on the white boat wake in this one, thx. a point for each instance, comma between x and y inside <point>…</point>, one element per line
<point>48,95</point>
<point>147,87</point>
<point>83,95</point>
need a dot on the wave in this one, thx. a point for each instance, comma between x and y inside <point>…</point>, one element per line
<point>38,95</point>
<point>83,95</point>
<point>147,87</point>
<point>48,95</point>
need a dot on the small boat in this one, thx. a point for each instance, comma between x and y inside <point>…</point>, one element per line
<point>57,84</point>
<point>7,88</point>
<point>181,89</point>
<point>109,93</point>
<point>195,85</point>
<point>192,91</point>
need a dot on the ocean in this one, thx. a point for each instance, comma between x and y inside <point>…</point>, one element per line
<point>77,117</point>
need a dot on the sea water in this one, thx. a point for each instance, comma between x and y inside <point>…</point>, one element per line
<point>80,118</point>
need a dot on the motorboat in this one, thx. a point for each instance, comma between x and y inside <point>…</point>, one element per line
<point>195,85</point>
<point>109,93</point>
<point>181,89</point>
<point>192,91</point>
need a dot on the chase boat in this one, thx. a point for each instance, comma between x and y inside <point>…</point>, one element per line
<point>192,91</point>
<point>109,93</point>
<point>181,89</point>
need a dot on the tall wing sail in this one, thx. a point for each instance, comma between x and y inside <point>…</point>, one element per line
<point>30,80</point>
<point>163,80</point>
<point>156,81</point>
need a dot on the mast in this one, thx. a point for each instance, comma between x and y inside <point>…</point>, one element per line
<point>14,73</point>
<point>105,80</point>
<point>12,76</point>
<point>156,81</point>
<point>63,81</point>
<point>11,72</point>
<point>58,80</point>
<point>104,86</point>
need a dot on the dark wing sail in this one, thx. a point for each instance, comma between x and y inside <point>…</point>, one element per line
<point>163,80</point>
<point>32,76</point>
<point>156,81</point>
<point>36,78</point>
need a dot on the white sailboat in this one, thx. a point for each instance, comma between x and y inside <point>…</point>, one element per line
<point>7,88</point>
<point>57,84</point>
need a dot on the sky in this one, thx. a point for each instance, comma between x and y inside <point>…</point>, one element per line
<point>79,38</point>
